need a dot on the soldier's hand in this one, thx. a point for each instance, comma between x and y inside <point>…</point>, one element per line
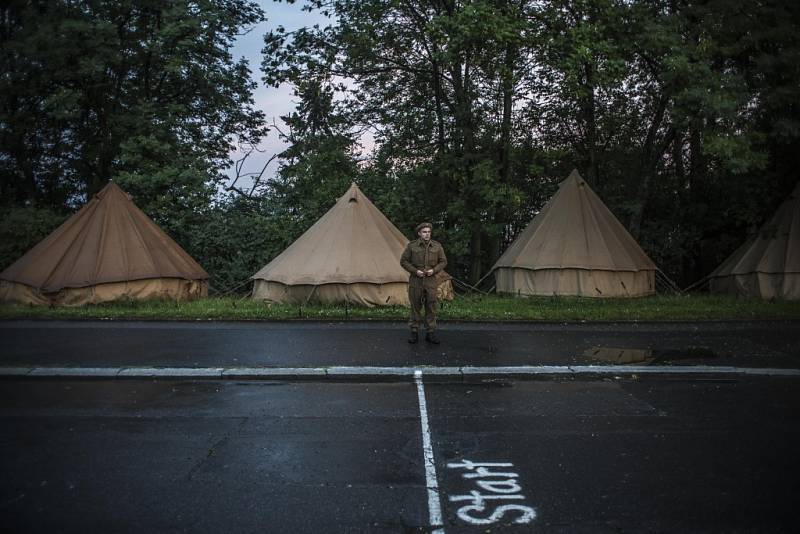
<point>420,273</point>
<point>429,272</point>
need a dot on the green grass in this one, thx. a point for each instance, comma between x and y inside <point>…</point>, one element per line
<point>490,307</point>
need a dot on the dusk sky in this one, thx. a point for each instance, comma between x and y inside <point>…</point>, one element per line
<point>273,102</point>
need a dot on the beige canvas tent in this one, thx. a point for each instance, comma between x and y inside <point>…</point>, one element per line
<point>109,250</point>
<point>768,264</point>
<point>575,246</point>
<point>351,254</point>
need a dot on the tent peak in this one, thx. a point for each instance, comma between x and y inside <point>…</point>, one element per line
<point>110,187</point>
<point>575,175</point>
<point>353,193</point>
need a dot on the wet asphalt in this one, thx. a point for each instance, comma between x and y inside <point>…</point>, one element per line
<point>320,344</point>
<point>616,455</point>
<point>656,453</point>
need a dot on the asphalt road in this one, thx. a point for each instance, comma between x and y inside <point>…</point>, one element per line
<point>310,344</point>
<point>655,454</point>
<point>709,451</point>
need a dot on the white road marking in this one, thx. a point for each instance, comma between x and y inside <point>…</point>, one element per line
<point>333,373</point>
<point>434,505</point>
<point>506,488</point>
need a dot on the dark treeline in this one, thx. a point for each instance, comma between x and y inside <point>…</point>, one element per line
<point>684,116</point>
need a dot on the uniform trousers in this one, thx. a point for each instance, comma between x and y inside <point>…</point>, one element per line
<point>419,297</point>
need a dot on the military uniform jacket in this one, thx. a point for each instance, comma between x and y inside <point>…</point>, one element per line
<point>422,256</point>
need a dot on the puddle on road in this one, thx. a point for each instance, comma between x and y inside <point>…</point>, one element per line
<point>620,356</point>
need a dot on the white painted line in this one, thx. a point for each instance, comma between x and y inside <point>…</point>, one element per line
<point>148,372</point>
<point>400,372</point>
<point>434,505</point>
<point>519,370</point>
<point>100,372</point>
<point>772,372</point>
<point>267,372</point>
<point>661,369</point>
<point>372,371</point>
<point>445,371</point>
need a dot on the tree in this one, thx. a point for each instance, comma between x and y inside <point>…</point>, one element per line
<point>704,176</point>
<point>662,104</point>
<point>145,92</point>
<point>424,78</point>
<point>319,163</point>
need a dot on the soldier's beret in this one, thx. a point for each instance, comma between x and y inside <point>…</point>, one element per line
<point>422,225</point>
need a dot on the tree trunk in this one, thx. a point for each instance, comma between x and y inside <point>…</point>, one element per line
<point>502,215</point>
<point>508,103</point>
<point>465,128</point>
<point>697,164</point>
<point>677,159</point>
<point>438,95</point>
<point>590,119</point>
<point>647,165</point>
<point>475,254</point>
<point>693,264</point>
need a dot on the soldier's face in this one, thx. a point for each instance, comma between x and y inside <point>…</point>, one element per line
<point>425,234</point>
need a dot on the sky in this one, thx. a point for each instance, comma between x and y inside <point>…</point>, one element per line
<point>273,102</point>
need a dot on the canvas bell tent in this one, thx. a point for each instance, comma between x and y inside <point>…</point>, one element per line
<point>575,246</point>
<point>768,264</point>
<point>109,250</point>
<point>351,254</point>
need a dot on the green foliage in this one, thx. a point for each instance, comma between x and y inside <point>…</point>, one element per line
<point>319,164</point>
<point>22,228</point>
<point>134,90</point>
<point>233,241</point>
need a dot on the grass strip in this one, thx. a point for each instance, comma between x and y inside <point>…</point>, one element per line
<point>474,307</point>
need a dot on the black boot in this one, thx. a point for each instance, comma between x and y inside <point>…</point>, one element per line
<point>430,337</point>
<point>414,337</point>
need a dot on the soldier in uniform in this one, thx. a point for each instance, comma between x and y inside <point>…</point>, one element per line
<point>423,258</point>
